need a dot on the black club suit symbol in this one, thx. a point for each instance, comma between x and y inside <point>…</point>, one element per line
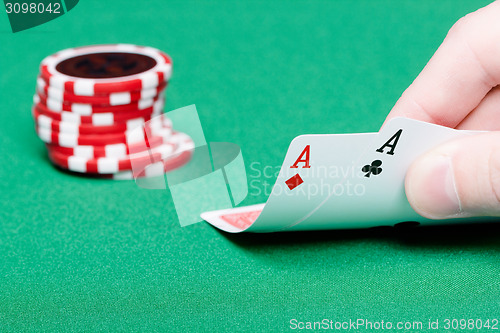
<point>373,169</point>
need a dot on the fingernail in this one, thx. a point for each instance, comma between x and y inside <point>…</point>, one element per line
<point>431,188</point>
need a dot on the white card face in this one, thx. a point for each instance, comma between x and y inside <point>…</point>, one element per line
<point>378,196</point>
<point>332,160</point>
<point>390,155</point>
<point>346,181</point>
<point>314,166</point>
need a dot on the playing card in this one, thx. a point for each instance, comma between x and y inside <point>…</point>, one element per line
<point>315,166</point>
<point>234,219</point>
<point>391,153</point>
<point>342,181</point>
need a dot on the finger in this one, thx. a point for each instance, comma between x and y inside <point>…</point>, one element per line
<point>459,75</point>
<point>486,116</point>
<point>460,178</point>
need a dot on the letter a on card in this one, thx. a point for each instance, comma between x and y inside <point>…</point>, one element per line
<point>303,158</point>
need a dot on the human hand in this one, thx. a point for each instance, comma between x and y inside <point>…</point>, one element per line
<point>459,88</point>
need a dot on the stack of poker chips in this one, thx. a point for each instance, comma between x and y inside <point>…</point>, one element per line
<point>99,109</point>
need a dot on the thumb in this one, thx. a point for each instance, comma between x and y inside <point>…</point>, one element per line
<point>460,178</point>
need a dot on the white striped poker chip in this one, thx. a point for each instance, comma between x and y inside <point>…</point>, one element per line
<point>161,71</point>
<point>99,119</point>
<point>85,109</point>
<point>180,157</point>
<point>58,96</point>
<point>157,169</point>
<point>155,127</point>
<point>106,165</point>
<point>44,121</point>
<point>135,164</point>
<point>112,150</point>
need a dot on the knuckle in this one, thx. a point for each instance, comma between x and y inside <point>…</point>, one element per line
<point>461,26</point>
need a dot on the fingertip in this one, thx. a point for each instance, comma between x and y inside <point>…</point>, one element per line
<point>431,189</point>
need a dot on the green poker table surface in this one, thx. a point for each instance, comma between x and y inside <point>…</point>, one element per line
<point>80,254</point>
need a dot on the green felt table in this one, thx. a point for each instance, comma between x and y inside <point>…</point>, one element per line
<point>86,255</point>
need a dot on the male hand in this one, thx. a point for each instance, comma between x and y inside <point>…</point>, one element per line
<point>459,88</point>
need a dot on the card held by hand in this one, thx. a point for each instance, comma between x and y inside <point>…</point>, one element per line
<point>342,181</point>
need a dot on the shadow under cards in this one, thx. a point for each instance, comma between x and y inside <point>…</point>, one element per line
<point>477,235</point>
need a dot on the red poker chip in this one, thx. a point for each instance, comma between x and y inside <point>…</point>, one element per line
<point>160,127</point>
<point>112,150</point>
<point>180,158</point>
<point>89,109</point>
<point>151,163</point>
<point>98,119</point>
<point>153,170</point>
<point>54,95</point>
<point>44,121</point>
<point>102,69</point>
<point>157,169</point>
<point>96,108</point>
<point>106,165</point>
